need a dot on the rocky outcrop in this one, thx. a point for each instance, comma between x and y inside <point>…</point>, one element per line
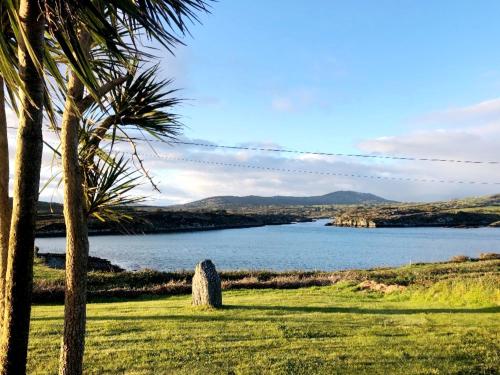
<point>354,221</point>
<point>58,261</point>
<point>206,284</point>
<point>382,219</point>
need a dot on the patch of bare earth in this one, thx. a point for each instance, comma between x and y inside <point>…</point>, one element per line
<point>379,287</point>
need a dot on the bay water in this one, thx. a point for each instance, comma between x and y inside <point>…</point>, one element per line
<point>301,246</point>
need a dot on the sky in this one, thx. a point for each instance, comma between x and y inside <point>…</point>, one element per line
<point>405,78</point>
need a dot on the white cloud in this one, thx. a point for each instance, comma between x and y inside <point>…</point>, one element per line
<point>197,180</point>
<point>298,100</point>
<point>478,113</point>
<point>463,144</point>
<point>479,142</point>
<point>182,181</point>
<point>465,133</point>
<point>474,137</point>
<point>50,165</point>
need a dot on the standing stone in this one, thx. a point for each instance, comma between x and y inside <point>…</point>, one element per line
<point>207,289</point>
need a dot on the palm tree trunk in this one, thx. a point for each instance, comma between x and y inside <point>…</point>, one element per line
<point>77,245</point>
<point>4,197</point>
<point>15,332</point>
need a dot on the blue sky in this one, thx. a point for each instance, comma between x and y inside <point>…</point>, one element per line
<point>328,74</point>
<point>411,78</point>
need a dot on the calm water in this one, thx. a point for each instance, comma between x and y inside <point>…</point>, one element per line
<point>309,246</point>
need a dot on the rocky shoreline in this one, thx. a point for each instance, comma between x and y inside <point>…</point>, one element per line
<point>167,222</point>
<point>95,264</point>
<point>401,218</point>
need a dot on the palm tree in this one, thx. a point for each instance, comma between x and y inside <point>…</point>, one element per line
<point>139,102</point>
<point>159,20</point>
<point>4,197</point>
<point>77,245</point>
<point>115,27</point>
<point>23,24</point>
<point>7,56</point>
<point>30,27</point>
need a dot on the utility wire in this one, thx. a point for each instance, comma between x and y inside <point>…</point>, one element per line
<point>408,158</point>
<point>321,173</point>
<point>290,151</point>
<point>325,173</point>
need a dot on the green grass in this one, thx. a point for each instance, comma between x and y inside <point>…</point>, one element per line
<point>449,327</point>
<point>49,281</point>
<point>42,273</point>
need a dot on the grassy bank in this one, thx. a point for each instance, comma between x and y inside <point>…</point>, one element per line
<point>448,326</point>
<point>49,283</point>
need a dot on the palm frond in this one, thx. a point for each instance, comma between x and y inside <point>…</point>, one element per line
<point>8,50</point>
<point>107,186</point>
<point>113,26</point>
<point>141,103</point>
<point>162,20</point>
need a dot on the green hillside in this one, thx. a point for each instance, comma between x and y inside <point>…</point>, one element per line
<point>338,197</point>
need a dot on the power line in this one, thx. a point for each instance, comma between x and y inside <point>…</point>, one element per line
<point>324,173</point>
<point>321,173</point>
<point>291,151</point>
<point>407,158</point>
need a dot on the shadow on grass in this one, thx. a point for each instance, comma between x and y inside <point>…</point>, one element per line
<point>218,315</point>
<point>357,310</point>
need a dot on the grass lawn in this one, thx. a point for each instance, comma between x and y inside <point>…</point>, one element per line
<point>449,327</point>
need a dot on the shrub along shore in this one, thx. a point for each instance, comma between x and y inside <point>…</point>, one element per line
<point>49,282</point>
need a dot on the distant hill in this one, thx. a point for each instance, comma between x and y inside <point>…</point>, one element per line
<point>47,207</point>
<point>338,197</point>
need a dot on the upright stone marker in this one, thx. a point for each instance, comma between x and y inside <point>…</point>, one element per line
<point>207,289</point>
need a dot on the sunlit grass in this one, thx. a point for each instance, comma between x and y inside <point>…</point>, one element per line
<point>49,283</point>
<point>449,327</point>
<point>42,273</point>
<point>479,291</point>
